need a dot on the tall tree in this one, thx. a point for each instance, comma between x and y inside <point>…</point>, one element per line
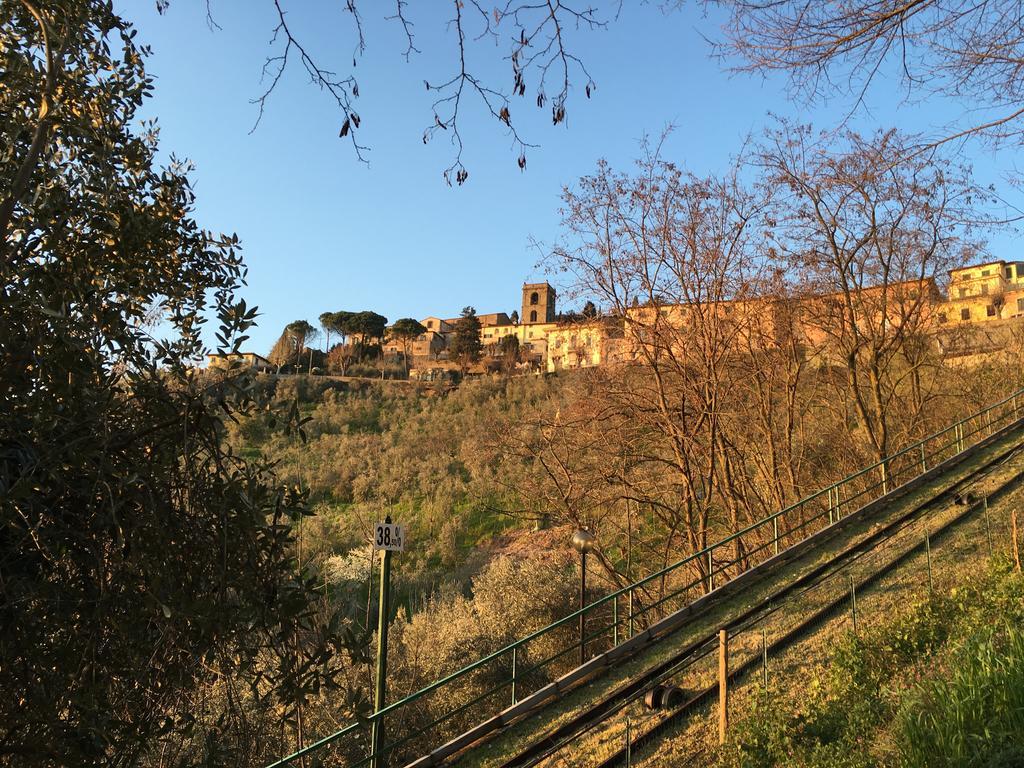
<point>864,233</point>
<point>327,324</point>
<point>466,345</point>
<point>141,561</point>
<point>405,331</point>
<point>294,339</point>
<point>508,350</point>
<point>368,326</point>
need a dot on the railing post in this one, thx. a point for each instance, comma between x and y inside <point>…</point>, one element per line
<point>629,609</point>
<point>723,684</point>
<point>615,621</point>
<point>711,571</point>
<point>831,510</point>
<point>515,649</point>
<point>775,532</point>
<point>924,460</point>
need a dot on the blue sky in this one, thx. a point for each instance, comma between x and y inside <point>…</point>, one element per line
<point>322,232</point>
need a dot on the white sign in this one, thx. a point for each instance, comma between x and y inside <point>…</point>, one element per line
<point>389,536</point>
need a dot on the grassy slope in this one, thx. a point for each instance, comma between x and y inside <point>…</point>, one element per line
<point>931,679</point>
<point>609,736</point>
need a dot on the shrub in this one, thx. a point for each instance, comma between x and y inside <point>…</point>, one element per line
<point>976,717</point>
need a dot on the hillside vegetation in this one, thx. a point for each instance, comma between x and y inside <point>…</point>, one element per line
<point>941,683</point>
<point>427,458</point>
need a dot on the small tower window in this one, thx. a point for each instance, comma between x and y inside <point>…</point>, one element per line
<point>534,298</point>
<point>533,314</point>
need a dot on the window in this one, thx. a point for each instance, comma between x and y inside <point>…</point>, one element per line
<point>984,289</point>
<point>1020,305</point>
<point>965,314</point>
<point>990,311</point>
<point>430,323</point>
<point>1009,273</point>
<point>534,298</point>
<point>986,272</point>
<point>942,317</point>
<point>533,313</point>
<point>963,292</point>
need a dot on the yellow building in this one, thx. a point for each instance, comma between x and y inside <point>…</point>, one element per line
<point>585,345</point>
<point>250,360</point>
<point>983,292</point>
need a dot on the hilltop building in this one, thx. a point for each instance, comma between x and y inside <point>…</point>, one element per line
<point>536,318</point>
<point>982,292</point>
<point>548,341</point>
<point>248,360</point>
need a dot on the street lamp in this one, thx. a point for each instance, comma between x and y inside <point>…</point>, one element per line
<point>583,541</point>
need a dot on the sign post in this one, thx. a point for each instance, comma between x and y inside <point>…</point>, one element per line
<point>387,538</point>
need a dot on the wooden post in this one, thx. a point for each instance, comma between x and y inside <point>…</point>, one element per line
<point>988,525</point>
<point>853,602</point>
<point>1016,545</point>
<point>629,744</point>
<point>928,552</point>
<point>723,684</point>
<point>764,658</point>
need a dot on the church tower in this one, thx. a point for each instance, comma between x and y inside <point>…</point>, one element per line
<point>538,303</point>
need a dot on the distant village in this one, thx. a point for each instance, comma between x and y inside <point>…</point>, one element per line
<point>537,338</point>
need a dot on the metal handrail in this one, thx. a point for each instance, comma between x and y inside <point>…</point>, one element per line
<point>887,482</point>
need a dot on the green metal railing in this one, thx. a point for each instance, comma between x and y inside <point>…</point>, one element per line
<point>516,672</point>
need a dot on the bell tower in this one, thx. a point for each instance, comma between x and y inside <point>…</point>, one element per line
<point>538,303</point>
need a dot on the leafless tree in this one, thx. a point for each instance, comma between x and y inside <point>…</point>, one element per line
<point>535,38</point>
<point>972,52</point>
<point>675,256</point>
<point>863,233</point>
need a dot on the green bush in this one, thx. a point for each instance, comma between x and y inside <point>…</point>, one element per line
<point>967,711</point>
<point>976,716</point>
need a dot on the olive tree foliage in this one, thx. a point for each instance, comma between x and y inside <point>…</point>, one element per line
<point>535,39</point>
<point>143,564</point>
<point>967,51</point>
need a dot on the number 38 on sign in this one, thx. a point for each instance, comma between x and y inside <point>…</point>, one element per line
<point>389,536</point>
